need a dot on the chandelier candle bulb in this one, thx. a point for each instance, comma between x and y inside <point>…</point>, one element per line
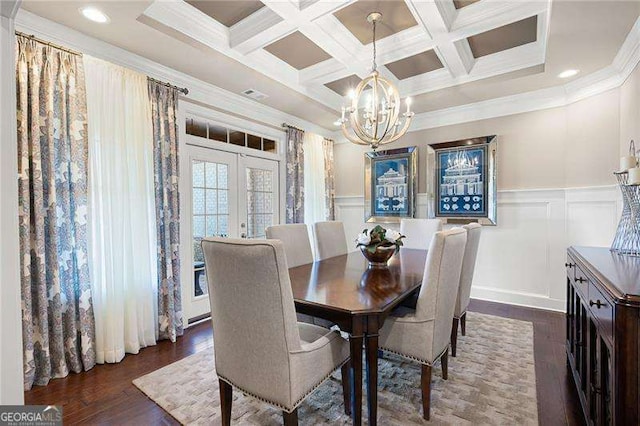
<point>634,176</point>
<point>628,162</point>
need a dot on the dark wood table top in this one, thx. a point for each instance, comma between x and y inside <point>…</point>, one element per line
<point>620,274</point>
<point>346,283</point>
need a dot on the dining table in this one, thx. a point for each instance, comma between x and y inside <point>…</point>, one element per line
<point>357,297</point>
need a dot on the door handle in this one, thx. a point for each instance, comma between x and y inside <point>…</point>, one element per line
<point>597,303</point>
<point>580,280</point>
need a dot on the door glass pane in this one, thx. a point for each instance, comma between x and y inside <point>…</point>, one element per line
<point>210,212</point>
<point>259,201</point>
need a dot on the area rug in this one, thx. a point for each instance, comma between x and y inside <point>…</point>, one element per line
<point>491,382</point>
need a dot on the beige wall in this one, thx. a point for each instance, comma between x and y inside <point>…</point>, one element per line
<point>572,146</point>
<point>630,111</point>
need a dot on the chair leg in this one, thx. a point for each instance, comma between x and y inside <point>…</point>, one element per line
<point>346,386</point>
<point>226,399</point>
<point>290,419</point>
<point>444,360</point>
<point>454,336</point>
<point>425,382</point>
<point>463,324</point>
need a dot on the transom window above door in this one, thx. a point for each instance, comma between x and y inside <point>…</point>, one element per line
<point>205,129</point>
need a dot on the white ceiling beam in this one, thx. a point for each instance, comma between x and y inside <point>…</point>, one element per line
<point>258,30</point>
<point>189,21</point>
<point>429,16</point>
<point>487,15</point>
<point>323,72</point>
<point>278,20</point>
<point>518,58</point>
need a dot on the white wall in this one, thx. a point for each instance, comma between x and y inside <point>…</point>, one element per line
<point>10,323</point>
<point>630,111</point>
<point>555,189</point>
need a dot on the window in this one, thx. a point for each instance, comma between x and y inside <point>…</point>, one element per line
<point>216,132</point>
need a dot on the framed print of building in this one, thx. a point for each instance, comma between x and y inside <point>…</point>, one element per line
<point>390,184</point>
<point>465,180</point>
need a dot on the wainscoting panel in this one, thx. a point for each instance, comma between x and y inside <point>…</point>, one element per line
<point>521,261</point>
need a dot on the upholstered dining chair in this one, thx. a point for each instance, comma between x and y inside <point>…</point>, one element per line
<point>419,232</point>
<point>466,278</point>
<point>260,348</point>
<point>329,239</point>
<point>295,238</point>
<point>423,334</point>
<point>297,248</point>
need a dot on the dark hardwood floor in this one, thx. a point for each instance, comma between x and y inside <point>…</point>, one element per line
<point>105,394</point>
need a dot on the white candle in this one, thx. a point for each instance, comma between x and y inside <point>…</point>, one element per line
<point>634,176</point>
<point>628,162</point>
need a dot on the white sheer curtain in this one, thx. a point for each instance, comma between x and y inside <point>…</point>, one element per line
<point>122,213</point>
<point>314,184</point>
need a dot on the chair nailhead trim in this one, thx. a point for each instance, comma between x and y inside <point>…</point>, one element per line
<point>420,360</point>
<point>277,405</point>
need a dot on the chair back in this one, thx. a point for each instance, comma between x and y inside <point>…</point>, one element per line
<point>329,239</point>
<point>295,238</point>
<point>253,314</point>
<point>419,232</point>
<point>440,283</point>
<point>468,267</point>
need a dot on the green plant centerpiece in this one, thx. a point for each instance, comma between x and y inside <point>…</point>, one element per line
<point>379,244</point>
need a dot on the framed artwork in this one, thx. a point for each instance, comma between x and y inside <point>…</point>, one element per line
<point>390,184</point>
<point>465,181</point>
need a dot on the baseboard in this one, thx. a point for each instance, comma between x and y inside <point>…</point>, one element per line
<point>516,298</point>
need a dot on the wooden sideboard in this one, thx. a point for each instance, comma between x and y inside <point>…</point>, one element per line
<point>603,333</point>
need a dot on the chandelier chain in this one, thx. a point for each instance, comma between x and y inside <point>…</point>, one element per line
<point>375,66</point>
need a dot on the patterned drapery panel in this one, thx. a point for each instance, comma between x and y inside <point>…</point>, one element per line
<point>295,176</point>
<point>329,179</point>
<point>164,102</point>
<point>57,310</point>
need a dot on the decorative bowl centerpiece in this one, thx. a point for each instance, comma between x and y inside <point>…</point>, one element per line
<point>379,244</point>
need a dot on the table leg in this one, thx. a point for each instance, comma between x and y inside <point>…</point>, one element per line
<point>371,347</point>
<point>355,343</point>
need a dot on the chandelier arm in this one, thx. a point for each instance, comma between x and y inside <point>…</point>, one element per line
<point>391,115</point>
<point>403,131</point>
<point>388,137</point>
<point>354,118</point>
<point>396,104</point>
<point>353,139</point>
<point>359,132</point>
<point>386,129</point>
<point>388,120</point>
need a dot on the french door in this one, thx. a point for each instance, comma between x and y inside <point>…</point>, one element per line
<point>231,195</point>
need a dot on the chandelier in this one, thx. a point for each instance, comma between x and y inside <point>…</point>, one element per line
<point>373,118</point>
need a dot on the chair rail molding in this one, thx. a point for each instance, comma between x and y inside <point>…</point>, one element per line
<point>521,260</point>
<point>11,381</point>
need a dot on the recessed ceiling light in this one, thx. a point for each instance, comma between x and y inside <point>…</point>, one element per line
<point>95,15</point>
<point>568,73</point>
<point>337,123</point>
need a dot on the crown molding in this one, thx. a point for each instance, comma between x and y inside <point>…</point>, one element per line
<point>199,91</point>
<point>610,77</point>
<point>9,8</point>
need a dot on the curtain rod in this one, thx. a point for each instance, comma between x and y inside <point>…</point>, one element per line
<point>293,127</point>
<point>183,90</point>
<point>48,43</point>
<point>73,52</point>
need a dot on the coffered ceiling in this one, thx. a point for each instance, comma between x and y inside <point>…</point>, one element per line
<point>306,54</point>
<point>312,46</point>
